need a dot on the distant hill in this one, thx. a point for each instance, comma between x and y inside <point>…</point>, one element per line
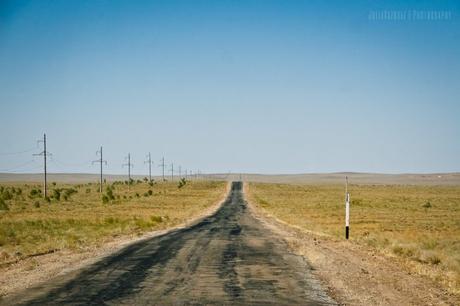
<point>307,178</point>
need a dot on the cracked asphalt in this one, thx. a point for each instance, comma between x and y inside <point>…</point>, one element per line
<point>229,258</point>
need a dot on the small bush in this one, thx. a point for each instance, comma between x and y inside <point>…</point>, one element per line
<point>150,192</point>
<point>109,193</point>
<point>146,194</point>
<point>35,193</point>
<point>137,195</point>
<point>7,195</point>
<point>434,260</point>
<point>57,194</point>
<point>111,220</point>
<point>427,205</point>
<point>182,183</point>
<point>105,199</point>
<point>37,204</point>
<point>3,205</point>
<point>157,219</point>
<point>88,190</point>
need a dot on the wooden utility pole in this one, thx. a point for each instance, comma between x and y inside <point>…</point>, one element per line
<point>129,165</point>
<point>101,161</point>
<point>163,167</point>
<point>44,153</point>
<point>172,172</point>
<point>149,161</point>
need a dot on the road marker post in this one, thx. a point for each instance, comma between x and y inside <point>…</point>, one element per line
<point>347,210</point>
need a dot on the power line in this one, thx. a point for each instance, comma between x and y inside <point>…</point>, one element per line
<point>18,166</point>
<point>64,164</point>
<point>19,152</point>
<point>24,170</point>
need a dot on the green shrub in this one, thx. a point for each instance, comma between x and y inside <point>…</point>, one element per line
<point>57,194</point>
<point>7,195</point>
<point>427,205</point>
<point>182,183</point>
<point>3,205</point>
<point>105,199</point>
<point>150,192</point>
<point>157,219</point>
<point>35,193</point>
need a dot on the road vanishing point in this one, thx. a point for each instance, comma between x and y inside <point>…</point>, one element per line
<point>229,258</point>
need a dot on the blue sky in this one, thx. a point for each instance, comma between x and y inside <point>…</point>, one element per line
<point>241,86</point>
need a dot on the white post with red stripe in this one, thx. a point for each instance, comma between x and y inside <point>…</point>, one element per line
<point>347,211</point>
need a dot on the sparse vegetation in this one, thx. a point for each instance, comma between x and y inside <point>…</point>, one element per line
<point>182,183</point>
<point>420,224</point>
<point>28,226</point>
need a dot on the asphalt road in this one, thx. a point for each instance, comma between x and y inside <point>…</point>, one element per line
<point>228,258</point>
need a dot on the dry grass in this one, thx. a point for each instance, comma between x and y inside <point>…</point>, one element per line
<point>420,224</point>
<point>31,225</point>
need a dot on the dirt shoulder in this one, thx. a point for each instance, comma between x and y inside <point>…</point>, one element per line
<point>355,275</point>
<point>35,270</point>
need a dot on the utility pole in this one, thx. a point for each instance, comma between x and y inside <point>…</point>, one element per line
<point>172,172</point>
<point>180,172</point>
<point>101,161</point>
<point>149,161</point>
<point>163,167</point>
<point>129,165</point>
<point>44,153</point>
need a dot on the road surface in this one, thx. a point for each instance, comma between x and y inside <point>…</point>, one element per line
<point>227,258</point>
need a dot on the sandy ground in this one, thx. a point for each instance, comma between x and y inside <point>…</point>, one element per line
<point>356,275</point>
<point>35,270</point>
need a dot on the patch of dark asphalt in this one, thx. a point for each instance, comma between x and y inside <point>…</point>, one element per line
<point>227,258</point>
